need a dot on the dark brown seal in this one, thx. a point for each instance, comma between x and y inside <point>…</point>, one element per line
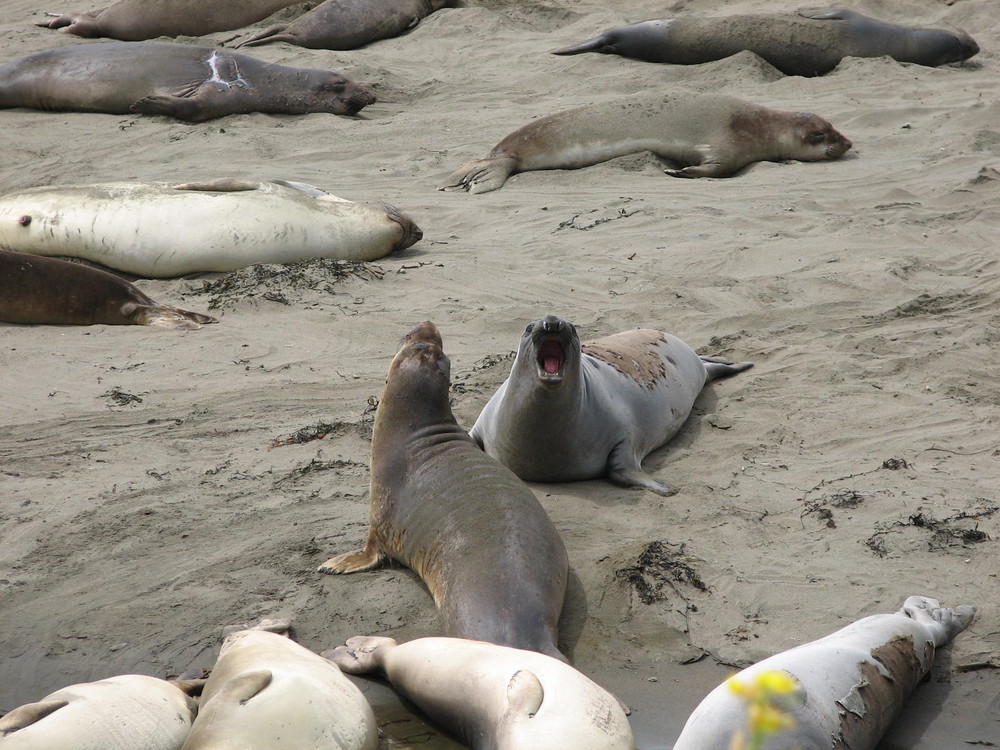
<point>472,530</point>
<point>136,20</point>
<point>808,43</point>
<point>56,292</point>
<point>348,24</point>
<point>178,80</point>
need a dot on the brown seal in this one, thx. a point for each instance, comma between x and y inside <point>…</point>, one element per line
<point>808,43</point>
<point>136,20</point>
<point>472,530</point>
<point>348,24</point>
<point>178,80</point>
<point>708,135</point>
<point>57,292</point>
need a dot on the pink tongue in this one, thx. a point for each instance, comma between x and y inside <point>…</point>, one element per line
<point>551,365</point>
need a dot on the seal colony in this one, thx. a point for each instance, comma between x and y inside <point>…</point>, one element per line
<point>178,80</point>
<point>708,135</point>
<point>161,230</point>
<point>807,43</point>
<point>572,411</point>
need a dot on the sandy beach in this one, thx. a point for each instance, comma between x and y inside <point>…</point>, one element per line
<point>156,485</point>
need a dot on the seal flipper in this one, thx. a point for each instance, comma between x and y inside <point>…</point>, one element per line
<point>481,175</point>
<point>597,44</point>
<point>221,185</point>
<point>243,687</point>
<point>834,14</point>
<point>82,24</point>
<point>164,316</point>
<point>721,368</point>
<point>28,714</point>
<point>366,558</point>
<point>525,694</point>
<point>361,654</point>
<point>624,469</point>
<point>273,34</point>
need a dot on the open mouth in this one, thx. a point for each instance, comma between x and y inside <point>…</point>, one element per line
<point>551,359</point>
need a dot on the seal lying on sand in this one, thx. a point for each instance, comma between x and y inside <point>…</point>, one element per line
<point>348,24</point>
<point>492,697</point>
<point>472,530</point>
<point>156,229</point>
<point>119,713</point>
<point>708,134</point>
<point>852,683</point>
<point>572,411</point>
<point>57,292</point>
<point>266,691</point>
<point>807,43</point>
<point>177,80</point>
<point>135,20</point>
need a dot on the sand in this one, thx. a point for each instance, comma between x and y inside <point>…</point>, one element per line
<point>149,493</point>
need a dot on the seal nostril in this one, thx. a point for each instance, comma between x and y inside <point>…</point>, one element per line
<point>24,221</point>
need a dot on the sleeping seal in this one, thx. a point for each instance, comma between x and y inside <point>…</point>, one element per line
<point>571,411</point>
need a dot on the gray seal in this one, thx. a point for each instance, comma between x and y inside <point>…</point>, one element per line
<point>708,135</point>
<point>571,411</point>
<point>808,43</point>
<point>348,24</point>
<point>178,80</point>
<point>474,532</point>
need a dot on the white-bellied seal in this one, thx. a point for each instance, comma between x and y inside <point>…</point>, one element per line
<point>266,691</point>
<point>709,135</point>
<point>348,24</point>
<point>474,532</point>
<point>493,697</point>
<point>161,230</point>
<point>852,683</point>
<point>136,20</point>
<point>807,43</point>
<point>50,291</point>
<point>571,411</point>
<point>119,713</point>
<point>178,80</point>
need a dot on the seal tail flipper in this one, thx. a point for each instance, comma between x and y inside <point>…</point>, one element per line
<point>273,34</point>
<point>164,316</point>
<point>591,45</point>
<point>721,368</point>
<point>480,176</point>
<point>28,714</point>
<point>361,654</point>
<point>944,622</point>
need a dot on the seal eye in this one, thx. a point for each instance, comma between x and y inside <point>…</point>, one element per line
<point>817,136</point>
<point>529,328</point>
<point>24,221</point>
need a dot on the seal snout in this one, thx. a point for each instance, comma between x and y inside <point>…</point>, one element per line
<point>427,334</point>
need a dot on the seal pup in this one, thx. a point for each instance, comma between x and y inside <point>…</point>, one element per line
<point>807,43</point>
<point>178,80</point>
<point>50,291</point>
<point>266,692</point>
<point>136,20</point>
<point>571,411</point>
<point>853,682</point>
<point>348,24</point>
<point>494,697</point>
<point>160,230</point>
<point>473,531</point>
<point>708,134</point>
<point>118,713</point>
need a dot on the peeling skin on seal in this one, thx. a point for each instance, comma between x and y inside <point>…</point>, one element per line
<point>884,681</point>
<point>634,354</point>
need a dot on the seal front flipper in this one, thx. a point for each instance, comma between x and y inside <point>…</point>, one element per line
<point>273,34</point>
<point>189,108</point>
<point>834,14</point>
<point>221,185</point>
<point>81,24</point>
<point>361,654</point>
<point>28,714</point>
<point>525,694</point>
<point>624,469</point>
<point>481,175</point>
<point>165,316</point>
<point>366,558</point>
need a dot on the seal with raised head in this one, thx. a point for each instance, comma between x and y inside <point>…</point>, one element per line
<point>266,691</point>
<point>348,24</point>
<point>57,292</point>
<point>118,713</point>
<point>850,685</point>
<point>707,135</point>
<point>571,411</point>
<point>474,532</point>
<point>493,697</point>
<point>136,20</point>
<point>178,80</point>
<point>162,230</point>
<point>807,43</point>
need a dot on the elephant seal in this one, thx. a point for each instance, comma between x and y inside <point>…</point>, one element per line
<point>473,531</point>
<point>165,230</point>
<point>348,24</point>
<point>809,43</point>
<point>493,697</point>
<point>266,691</point>
<point>56,292</point>
<point>571,411</point>
<point>119,713</point>
<point>852,683</point>
<point>712,135</point>
<point>136,20</point>
<point>178,80</point>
